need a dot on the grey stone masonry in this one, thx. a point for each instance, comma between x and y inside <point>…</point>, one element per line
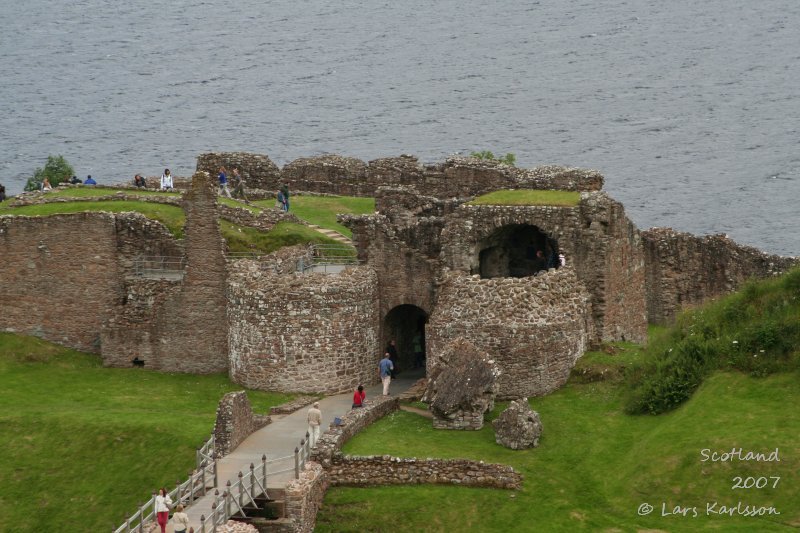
<point>518,427</point>
<point>235,422</point>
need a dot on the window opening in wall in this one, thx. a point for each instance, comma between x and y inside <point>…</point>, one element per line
<point>405,324</point>
<point>516,251</point>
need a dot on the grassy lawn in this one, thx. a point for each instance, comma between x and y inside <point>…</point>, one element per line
<point>173,217</point>
<point>244,239</point>
<point>91,192</point>
<point>529,197</point>
<point>595,465</point>
<point>322,210</point>
<point>230,202</point>
<point>84,444</point>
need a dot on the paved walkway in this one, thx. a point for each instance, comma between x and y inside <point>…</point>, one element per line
<point>279,439</point>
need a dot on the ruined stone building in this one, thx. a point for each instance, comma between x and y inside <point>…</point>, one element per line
<point>434,270</point>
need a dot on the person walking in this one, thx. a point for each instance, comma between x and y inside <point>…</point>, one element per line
<point>238,185</point>
<point>359,397</point>
<point>385,368</point>
<point>285,191</point>
<point>223,182</point>
<point>391,349</point>
<point>180,520</point>
<point>163,503</point>
<point>166,180</point>
<point>314,422</point>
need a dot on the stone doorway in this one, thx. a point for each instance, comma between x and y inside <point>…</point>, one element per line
<point>516,251</point>
<point>406,325</point>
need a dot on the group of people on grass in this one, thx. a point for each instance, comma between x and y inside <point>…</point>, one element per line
<point>74,180</point>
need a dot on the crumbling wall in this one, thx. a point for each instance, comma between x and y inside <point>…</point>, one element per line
<point>258,171</point>
<point>684,270</point>
<point>599,242</point>
<point>235,422</point>
<point>61,277</point>
<point>534,328</point>
<point>303,333</point>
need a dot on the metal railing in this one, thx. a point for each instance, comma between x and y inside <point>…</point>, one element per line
<point>328,258</point>
<point>237,497</point>
<point>159,266</point>
<point>184,493</point>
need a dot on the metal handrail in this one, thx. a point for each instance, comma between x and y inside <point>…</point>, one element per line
<point>161,264</point>
<point>328,255</point>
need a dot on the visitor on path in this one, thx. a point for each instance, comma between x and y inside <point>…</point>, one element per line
<point>385,368</point>
<point>166,180</point>
<point>419,354</point>
<point>180,520</point>
<point>359,397</point>
<point>314,421</point>
<point>163,503</point>
<point>223,182</point>
<point>285,191</point>
<point>89,180</point>
<point>279,200</point>
<point>238,184</point>
<point>391,349</point>
<point>46,185</point>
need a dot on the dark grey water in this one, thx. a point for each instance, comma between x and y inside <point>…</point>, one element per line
<point>690,109</point>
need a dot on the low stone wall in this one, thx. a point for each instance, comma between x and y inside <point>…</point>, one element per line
<point>333,439</point>
<point>265,220</point>
<point>38,197</point>
<point>292,406</point>
<point>235,422</point>
<point>685,270</point>
<point>371,470</point>
<point>304,497</point>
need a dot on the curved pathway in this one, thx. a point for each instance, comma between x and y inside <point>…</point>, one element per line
<point>279,439</point>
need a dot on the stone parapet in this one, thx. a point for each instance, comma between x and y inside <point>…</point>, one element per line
<point>304,497</point>
<point>235,422</point>
<point>257,171</point>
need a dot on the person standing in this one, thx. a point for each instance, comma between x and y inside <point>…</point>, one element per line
<point>359,396</point>
<point>180,520</point>
<point>314,422</point>
<point>391,349</point>
<point>223,182</point>
<point>285,191</point>
<point>419,354</point>
<point>385,368</point>
<point>166,180</point>
<point>163,502</point>
<point>238,185</point>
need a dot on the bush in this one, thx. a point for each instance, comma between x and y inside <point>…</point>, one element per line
<point>508,159</point>
<point>56,170</point>
<point>754,331</point>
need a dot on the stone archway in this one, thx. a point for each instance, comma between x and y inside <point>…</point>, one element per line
<point>405,324</point>
<point>516,251</point>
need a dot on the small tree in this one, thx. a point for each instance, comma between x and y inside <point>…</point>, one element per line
<point>508,159</point>
<point>56,170</point>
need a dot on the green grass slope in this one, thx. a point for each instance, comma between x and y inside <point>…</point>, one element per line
<point>322,210</point>
<point>83,444</point>
<point>595,465</point>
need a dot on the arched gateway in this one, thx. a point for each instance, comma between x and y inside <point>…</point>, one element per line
<point>405,324</point>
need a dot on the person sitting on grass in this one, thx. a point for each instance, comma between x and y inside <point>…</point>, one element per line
<point>89,180</point>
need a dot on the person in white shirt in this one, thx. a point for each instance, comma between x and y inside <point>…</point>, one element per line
<point>163,503</point>
<point>166,180</point>
<point>180,520</point>
<point>314,421</point>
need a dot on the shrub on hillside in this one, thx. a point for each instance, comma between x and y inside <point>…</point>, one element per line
<point>508,159</point>
<point>755,330</point>
<point>56,170</point>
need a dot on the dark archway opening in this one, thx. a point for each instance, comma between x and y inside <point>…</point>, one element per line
<point>405,324</point>
<point>517,251</point>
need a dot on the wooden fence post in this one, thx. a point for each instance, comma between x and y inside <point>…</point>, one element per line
<point>252,482</point>
<point>296,463</point>
<point>264,464</point>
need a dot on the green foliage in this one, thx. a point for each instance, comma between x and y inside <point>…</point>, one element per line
<point>529,197</point>
<point>755,330</point>
<point>83,444</point>
<point>56,170</point>
<point>595,465</point>
<point>245,239</point>
<point>508,159</point>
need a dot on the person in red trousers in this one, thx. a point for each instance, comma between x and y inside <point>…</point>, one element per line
<point>163,503</point>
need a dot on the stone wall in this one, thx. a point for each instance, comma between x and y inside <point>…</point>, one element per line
<point>600,243</point>
<point>535,328</point>
<point>304,497</point>
<point>61,278</point>
<point>235,422</point>
<point>264,220</point>
<point>314,333</point>
<point>455,177</point>
<point>685,270</point>
<point>386,470</point>
<point>332,440</point>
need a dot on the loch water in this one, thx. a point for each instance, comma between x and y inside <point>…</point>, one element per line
<point>690,109</point>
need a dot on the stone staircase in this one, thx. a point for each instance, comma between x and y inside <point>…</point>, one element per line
<point>335,235</point>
